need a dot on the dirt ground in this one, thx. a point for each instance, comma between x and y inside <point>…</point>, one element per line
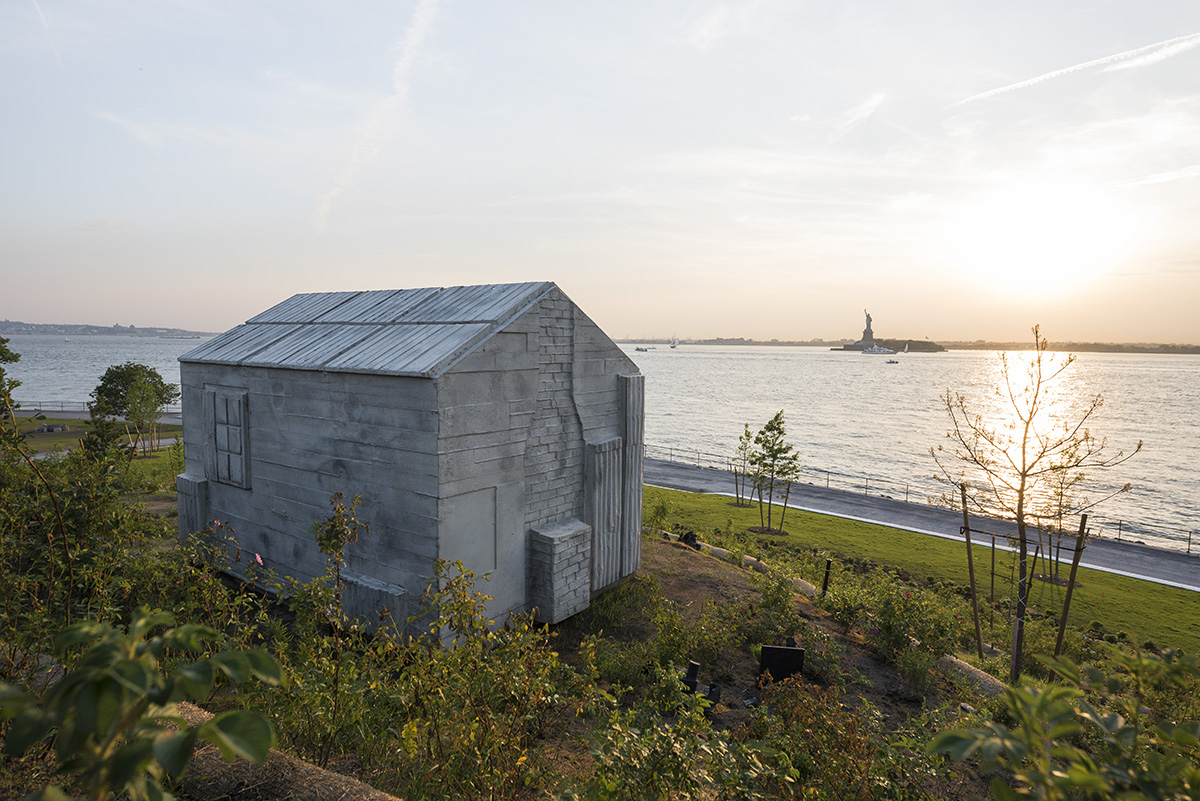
<point>691,578</point>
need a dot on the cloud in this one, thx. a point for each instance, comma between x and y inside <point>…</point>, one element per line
<point>722,22</point>
<point>1159,52</point>
<point>1182,174</point>
<point>856,116</point>
<point>147,133</point>
<point>159,135</point>
<point>45,26</point>
<point>382,118</point>
<point>1139,57</point>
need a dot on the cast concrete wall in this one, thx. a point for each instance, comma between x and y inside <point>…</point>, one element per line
<point>485,404</point>
<point>308,435</point>
<point>560,569</point>
<point>472,466</point>
<point>554,457</point>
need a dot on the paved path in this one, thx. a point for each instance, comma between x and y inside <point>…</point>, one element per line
<point>1173,568</point>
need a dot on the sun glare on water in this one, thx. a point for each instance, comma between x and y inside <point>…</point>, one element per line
<point>1039,238</point>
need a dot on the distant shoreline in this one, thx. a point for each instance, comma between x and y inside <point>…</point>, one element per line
<point>8,329</point>
<point>836,344</point>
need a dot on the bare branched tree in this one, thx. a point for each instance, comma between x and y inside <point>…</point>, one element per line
<point>1029,463</point>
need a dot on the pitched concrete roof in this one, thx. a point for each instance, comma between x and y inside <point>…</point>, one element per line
<point>411,332</point>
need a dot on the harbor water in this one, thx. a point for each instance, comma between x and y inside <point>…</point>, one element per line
<point>857,421</point>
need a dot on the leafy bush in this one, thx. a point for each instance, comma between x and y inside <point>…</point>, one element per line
<point>664,748</point>
<point>904,618</point>
<point>112,717</point>
<point>1135,756</point>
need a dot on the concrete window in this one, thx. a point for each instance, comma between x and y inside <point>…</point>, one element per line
<point>230,464</point>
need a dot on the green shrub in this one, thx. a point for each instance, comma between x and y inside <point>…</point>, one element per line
<point>1134,756</point>
<point>112,718</point>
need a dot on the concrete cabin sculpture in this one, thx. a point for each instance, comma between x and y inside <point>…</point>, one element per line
<point>496,425</point>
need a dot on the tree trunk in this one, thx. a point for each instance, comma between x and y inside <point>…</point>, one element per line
<point>1018,640</point>
<point>770,501</point>
<point>783,509</point>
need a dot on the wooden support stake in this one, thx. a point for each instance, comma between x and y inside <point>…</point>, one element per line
<point>992,592</point>
<point>971,571</point>
<point>1062,624</point>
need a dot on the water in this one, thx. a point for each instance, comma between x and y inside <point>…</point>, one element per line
<point>860,423</point>
<point>857,422</point>
<point>56,370</point>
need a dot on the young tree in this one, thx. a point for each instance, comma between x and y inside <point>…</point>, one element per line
<point>8,407</point>
<point>741,465</point>
<point>1017,461</point>
<point>138,393</point>
<point>775,465</point>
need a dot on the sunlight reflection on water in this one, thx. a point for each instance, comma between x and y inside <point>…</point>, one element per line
<point>854,414</point>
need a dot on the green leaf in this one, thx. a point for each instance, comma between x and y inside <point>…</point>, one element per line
<point>173,751</point>
<point>958,744</point>
<point>1063,729</point>
<point>13,700</point>
<point>50,793</point>
<point>78,634</point>
<point>264,666</point>
<point>1063,667</point>
<point>128,761</point>
<point>1002,791</point>
<point>87,706</point>
<point>239,733</point>
<point>29,727</point>
<point>233,664</point>
<point>197,678</point>
<point>145,619</point>
<point>147,788</point>
<point>133,674</point>
<point>190,637</point>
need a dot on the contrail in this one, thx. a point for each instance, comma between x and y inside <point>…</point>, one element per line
<point>1139,57</point>
<point>38,7</point>
<point>382,116</point>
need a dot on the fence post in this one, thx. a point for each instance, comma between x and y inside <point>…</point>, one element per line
<point>966,528</point>
<point>1119,524</point>
<point>906,493</point>
<point>866,486</point>
<point>1189,550</point>
<point>825,581</point>
<point>1062,624</point>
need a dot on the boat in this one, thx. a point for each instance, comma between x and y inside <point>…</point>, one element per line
<point>642,350</point>
<point>891,361</point>
<point>674,343</point>
<point>878,350</point>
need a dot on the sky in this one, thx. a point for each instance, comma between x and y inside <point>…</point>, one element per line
<point>766,169</point>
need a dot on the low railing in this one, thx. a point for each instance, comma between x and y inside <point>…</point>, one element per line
<point>69,406</point>
<point>1101,527</point>
<point>820,477</point>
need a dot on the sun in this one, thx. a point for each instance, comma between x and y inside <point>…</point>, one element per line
<point>1039,237</point>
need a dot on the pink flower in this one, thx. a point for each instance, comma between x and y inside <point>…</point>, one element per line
<point>258,559</point>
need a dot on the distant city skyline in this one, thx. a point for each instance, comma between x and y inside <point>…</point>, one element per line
<point>759,169</point>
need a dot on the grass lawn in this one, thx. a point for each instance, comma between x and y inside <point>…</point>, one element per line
<point>1144,610</point>
<point>43,443</point>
